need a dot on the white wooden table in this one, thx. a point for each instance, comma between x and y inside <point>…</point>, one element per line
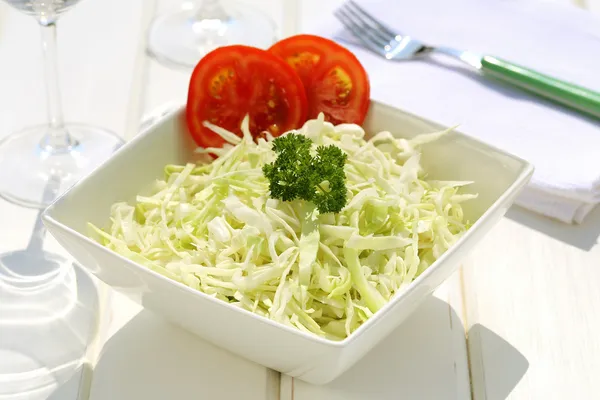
<point>518,321</point>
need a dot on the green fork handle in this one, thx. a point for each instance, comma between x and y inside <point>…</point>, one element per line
<point>576,97</point>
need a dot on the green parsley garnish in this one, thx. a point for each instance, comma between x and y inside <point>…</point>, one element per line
<point>297,174</point>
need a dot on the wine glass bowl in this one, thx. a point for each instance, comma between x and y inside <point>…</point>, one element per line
<point>42,9</point>
<point>180,38</point>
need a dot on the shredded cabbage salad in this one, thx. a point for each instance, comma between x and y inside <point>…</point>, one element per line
<point>213,227</point>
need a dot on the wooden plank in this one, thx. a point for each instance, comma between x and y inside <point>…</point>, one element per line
<point>148,358</point>
<point>532,299</point>
<point>425,358</point>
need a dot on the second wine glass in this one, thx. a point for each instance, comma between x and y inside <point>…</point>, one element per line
<point>182,37</point>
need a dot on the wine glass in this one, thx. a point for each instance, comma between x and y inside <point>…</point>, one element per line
<point>55,151</point>
<point>49,315</point>
<point>182,37</point>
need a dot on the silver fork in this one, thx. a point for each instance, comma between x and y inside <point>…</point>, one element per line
<point>388,43</point>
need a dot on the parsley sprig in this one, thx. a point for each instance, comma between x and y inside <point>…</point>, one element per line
<point>297,174</point>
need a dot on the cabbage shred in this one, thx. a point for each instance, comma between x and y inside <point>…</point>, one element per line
<point>213,227</point>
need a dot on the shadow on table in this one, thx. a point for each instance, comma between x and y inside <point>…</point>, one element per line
<point>151,359</point>
<point>583,236</point>
<point>496,366</point>
<point>422,359</point>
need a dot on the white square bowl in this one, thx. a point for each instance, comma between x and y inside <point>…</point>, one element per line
<point>498,178</point>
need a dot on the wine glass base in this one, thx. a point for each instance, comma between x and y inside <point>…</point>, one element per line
<point>32,177</point>
<point>179,39</point>
<point>50,314</point>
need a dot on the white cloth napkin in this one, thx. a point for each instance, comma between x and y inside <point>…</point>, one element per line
<point>554,39</point>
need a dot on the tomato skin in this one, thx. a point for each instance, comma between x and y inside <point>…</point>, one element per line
<point>233,81</point>
<point>335,81</point>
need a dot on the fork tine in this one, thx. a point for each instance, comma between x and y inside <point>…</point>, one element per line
<point>359,32</point>
<point>390,33</point>
<point>383,37</point>
<point>365,36</point>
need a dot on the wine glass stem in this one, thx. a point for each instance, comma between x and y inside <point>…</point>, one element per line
<point>58,138</point>
<point>210,9</point>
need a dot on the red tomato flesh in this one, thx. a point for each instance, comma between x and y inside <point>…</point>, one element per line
<point>335,81</point>
<point>233,81</point>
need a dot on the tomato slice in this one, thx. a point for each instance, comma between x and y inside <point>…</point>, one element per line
<point>233,81</point>
<point>335,81</point>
